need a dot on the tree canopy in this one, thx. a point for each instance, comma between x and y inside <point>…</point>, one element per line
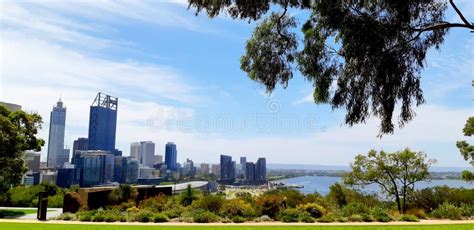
<point>396,173</point>
<point>18,132</point>
<point>467,150</point>
<point>364,56</point>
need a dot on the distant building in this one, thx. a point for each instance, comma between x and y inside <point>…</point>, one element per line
<point>261,170</point>
<point>57,125</point>
<point>31,178</point>
<point>216,169</point>
<point>171,156</point>
<point>158,159</point>
<point>120,169</point>
<point>10,106</point>
<point>243,165</point>
<point>147,153</point>
<point>135,151</point>
<point>63,158</point>
<point>188,168</point>
<point>146,172</point>
<point>81,144</point>
<point>250,172</point>
<point>103,123</point>
<point>204,169</point>
<point>227,170</point>
<point>48,177</point>
<point>32,161</point>
<point>133,168</point>
<point>94,167</point>
<point>65,177</point>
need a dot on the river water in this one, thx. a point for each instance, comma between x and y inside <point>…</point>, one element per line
<point>321,184</point>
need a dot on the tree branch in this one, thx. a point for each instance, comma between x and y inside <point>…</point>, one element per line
<point>279,26</point>
<point>459,12</point>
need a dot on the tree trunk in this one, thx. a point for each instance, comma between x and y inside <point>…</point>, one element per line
<point>397,199</point>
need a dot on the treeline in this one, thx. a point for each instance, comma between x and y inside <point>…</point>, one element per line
<point>27,196</point>
<point>341,204</point>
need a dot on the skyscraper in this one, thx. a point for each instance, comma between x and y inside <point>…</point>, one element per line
<point>103,123</point>
<point>227,170</point>
<point>32,161</point>
<point>62,158</point>
<point>57,125</point>
<point>135,151</point>
<point>147,153</point>
<point>94,167</point>
<point>171,155</point>
<point>261,170</point>
<point>81,144</point>
<point>250,172</point>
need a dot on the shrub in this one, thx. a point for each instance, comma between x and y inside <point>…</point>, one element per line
<point>263,218</point>
<point>327,219</point>
<point>418,212</point>
<point>355,218</point>
<point>84,216</point>
<point>238,219</point>
<point>408,218</point>
<point>143,216</point>
<point>173,212</point>
<point>315,210</point>
<point>380,215</point>
<point>205,217</point>
<point>133,210</point>
<point>57,200</point>
<point>212,203</point>
<point>354,208</point>
<point>155,204</point>
<point>269,205</point>
<point>290,215</point>
<point>98,217</point>
<point>72,202</point>
<point>447,211</point>
<point>306,217</point>
<point>343,219</point>
<point>65,216</point>
<point>159,218</point>
<point>467,210</point>
<point>237,207</point>
<point>366,217</point>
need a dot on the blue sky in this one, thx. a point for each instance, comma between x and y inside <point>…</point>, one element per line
<point>177,78</point>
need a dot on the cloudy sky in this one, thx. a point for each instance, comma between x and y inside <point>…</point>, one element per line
<point>177,78</point>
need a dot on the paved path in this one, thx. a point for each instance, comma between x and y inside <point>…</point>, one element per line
<point>52,213</point>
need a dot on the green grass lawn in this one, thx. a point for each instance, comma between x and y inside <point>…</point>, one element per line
<point>39,226</point>
<point>15,212</point>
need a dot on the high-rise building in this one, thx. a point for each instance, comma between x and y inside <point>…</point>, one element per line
<point>250,172</point>
<point>216,169</point>
<point>158,159</point>
<point>133,168</point>
<point>204,168</point>
<point>62,158</point>
<point>135,151</point>
<point>57,125</point>
<point>65,177</point>
<point>188,168</point>
<point>32,161</point>
<point>261,170</point>
<point>81,144</point>
<point>94,167</point>
<point>147,153</point>
<point>103,123</point>
<point>243,165</point>
<point>171,155</point>
<point>120,169</point>
<point>227,170</point>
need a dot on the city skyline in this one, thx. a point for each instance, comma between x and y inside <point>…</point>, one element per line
<point>162,80</point>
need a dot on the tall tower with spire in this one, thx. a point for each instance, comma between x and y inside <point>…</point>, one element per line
<point>57,125</point>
